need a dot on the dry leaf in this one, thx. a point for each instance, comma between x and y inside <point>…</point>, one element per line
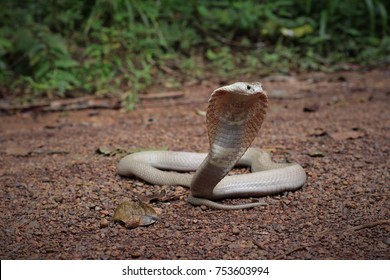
<point>134,214</point>
<point>318,131</point>
<point>344,135</point>
<point>104,151</point>
<point>316,154</point>
<point>161,95</point>
<point>17,151</point>
<point>273,149</point>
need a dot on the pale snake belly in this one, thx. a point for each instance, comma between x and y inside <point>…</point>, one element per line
<point>234,116</point>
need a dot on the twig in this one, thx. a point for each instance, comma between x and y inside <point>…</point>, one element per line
<point>304,246</point>
<point>169,94</point>
<point>73,104</point>
<point>369,225</point>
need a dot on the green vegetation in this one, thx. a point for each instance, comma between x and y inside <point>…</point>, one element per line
<point>106,47</point>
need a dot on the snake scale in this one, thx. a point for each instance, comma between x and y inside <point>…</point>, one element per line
<point>234,116</point>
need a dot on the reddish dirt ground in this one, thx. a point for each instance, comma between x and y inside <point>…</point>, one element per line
<point>58,195</point>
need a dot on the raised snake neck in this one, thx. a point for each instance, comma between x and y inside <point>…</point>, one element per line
<point>234,116</point>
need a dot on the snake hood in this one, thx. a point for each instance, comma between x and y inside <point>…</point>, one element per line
<point>234,116</point>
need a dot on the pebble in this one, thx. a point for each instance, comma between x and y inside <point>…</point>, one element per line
<point>158,211</point>
<point>115,253</point>
<point>358,163</point>
<point>104,223</point>
<point>359,190</point>
<point>203,207</point>
<point>235,231</point>
<point>286,201</point>
<point>295,203</point>
<point>383,245</point>
<point>58,198</point>
<point>136,254</point>
<point>350,204</point>
<point>311,108</point>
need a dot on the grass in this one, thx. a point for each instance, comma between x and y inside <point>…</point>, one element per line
<point>119,48</point>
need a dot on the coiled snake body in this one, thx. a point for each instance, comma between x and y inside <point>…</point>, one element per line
<point>234,116</point>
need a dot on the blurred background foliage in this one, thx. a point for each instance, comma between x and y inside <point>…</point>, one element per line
<point>70,48</point>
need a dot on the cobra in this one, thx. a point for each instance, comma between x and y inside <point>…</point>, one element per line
<point>234,117</point>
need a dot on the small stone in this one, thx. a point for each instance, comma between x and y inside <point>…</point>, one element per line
<point>311,108</point>
<point>179,191</point>
<point>382,245</point>
<point>104,223</point>
<point>235,231</point>
<point>158,211</point>
<point>203,207</point>
<point>286,201</point>
<point>115,253</point>
<point>295,203</point>
<point>58,198</point>
<point>136,254</point>
<point>359,189</point>
<point>350,204</point>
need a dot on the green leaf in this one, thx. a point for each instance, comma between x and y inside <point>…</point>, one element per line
<point>297,32</point>
<point>211,54</point>
<point>5,45</point>
<point>66,63</point>
<point>42,70</point>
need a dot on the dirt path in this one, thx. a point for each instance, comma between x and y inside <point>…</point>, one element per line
<point>58,195</point>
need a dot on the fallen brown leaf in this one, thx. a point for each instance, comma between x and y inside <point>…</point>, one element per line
<point>134,214</point>
<point>316,154</point>
<point>344,135</point>
<point>18,151</point>
<point>80,103</point>
<point>107,151</point>
<point>161,95</point>
<point>318,131</point>
<point>273,149</point>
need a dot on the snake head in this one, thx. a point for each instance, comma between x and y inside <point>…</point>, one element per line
<point>243,88</point>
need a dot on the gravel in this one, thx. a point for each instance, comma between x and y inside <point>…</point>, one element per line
<point>58,195</point>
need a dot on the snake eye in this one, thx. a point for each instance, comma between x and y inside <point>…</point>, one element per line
<point>248,87</point>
